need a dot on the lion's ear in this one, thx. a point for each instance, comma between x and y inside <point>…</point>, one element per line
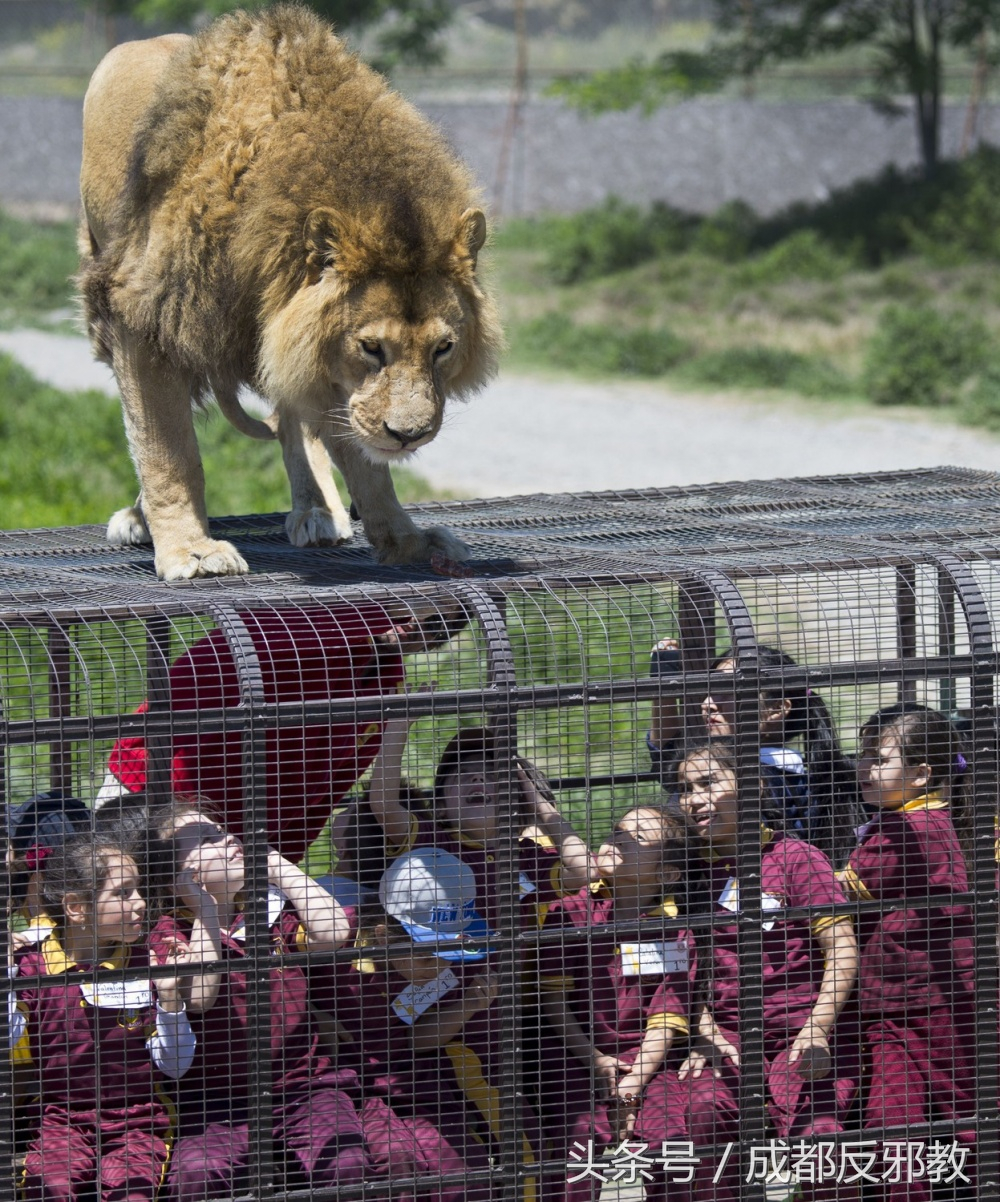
<point>471,234</point>
<point>327,237</point>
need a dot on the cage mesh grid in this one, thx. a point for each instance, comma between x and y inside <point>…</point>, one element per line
<point>879,588</point>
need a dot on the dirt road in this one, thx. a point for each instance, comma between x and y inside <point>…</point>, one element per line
<point>527,434</point>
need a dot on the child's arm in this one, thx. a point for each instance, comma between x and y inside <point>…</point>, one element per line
<point>326,924</point>
<point>172,1044</point>
<point>204,943</point>
<point>708,1047</point>
<point>441,1024</point>
<point>665,724</point>
<point>656,1043</point>
<point>578,867</point>
<point>394,818</point>
<point>607,1069</point>
<point>810,1050</point>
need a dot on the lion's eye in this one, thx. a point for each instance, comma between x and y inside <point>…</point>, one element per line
<point>373,349</point>
<point>443,347</point>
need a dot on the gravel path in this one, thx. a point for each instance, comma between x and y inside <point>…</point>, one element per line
<point>527,434</point>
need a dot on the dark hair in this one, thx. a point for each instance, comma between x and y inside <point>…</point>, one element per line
<point>680,843</point>
<point>479,743</point>
<point>36,829</point>
<point>79,866</point>
<point>813,829</point>
<point>367,858</point>
<point>834,799</point>
<point>925,736</point>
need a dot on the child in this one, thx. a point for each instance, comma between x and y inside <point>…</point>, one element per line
<point>616,1002</point>
<point>465,820</point>
<point>808,969</point>
<point>423,1029</point>
<point>98,1048</point>
<point>316,1124</point>
<point>815,787</point>
<point>916,977</point>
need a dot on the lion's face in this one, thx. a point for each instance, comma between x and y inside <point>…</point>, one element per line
<point>373,356</point>
<point>396,361</point>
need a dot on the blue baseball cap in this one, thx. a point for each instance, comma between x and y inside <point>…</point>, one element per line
<point>432,895</point>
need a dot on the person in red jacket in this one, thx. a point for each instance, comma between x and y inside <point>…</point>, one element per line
<point>305,655</point>
<point>915,984</point>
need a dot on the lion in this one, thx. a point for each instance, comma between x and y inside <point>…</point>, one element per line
<point>260,208</point>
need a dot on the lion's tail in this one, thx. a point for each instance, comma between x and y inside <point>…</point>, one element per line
<point>237,416</point>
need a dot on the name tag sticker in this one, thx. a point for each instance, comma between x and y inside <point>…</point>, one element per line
<point>659,957</point>
<point>729,899</point>
<point>415,1000</point>
<point>526,885</point>
<point>119,995</point>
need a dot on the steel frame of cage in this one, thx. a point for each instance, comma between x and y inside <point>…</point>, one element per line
<point>704,596</point>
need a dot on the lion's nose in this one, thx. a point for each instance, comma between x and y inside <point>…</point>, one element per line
<point>405,437</point>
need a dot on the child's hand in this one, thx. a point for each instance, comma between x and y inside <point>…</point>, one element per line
<point>399,728</point>
<point>695,1063</point>
<point>627,1099</point>
<point>811,1053</point>
<point>192,894</point>
<point>483,990</point>
<point>608,1071</point>
<point>716,1046</point>
<point>665,658</point>
<point>168,989</point>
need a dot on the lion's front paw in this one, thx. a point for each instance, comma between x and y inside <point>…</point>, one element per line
<point>127,528</point>
<point>317,528</point>
<point>207,557</point>
<point>417,546</point>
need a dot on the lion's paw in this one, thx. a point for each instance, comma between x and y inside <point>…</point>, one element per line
<point>419,545</point>
<point>127,528</point>
<point>207,557</point>
<point>317,528</point>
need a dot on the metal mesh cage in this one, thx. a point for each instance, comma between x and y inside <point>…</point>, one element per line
<point>656,855</point>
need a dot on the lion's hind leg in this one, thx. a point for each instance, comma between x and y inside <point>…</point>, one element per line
<point>127,527</point>
<point>318,517</point>
<point>156,402</point>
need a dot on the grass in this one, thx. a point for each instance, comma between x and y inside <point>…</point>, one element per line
<point>886,292</point>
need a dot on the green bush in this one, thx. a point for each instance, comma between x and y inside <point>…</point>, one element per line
<point>759,366</point>
<point>37,262</point>
<point>556,341</point>
<point>918,356</point>
<point>804,255</point>
<point>610,238</point>
<point>728,233</point>
<point>980,405</point>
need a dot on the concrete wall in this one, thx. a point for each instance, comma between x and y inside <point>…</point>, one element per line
<point>696,155</point>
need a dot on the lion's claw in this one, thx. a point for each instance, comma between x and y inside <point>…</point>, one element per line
<point>207,558</point>
<point>317,528</point>
<point>127,528</point>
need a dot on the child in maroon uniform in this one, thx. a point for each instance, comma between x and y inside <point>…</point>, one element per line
<point>464,819</point>
<point>304,654</point>
<point>916,976</point>
<point>424,1031</point>
<point>316,1125</point>
<point>805,771</point>
<point>808,968</point>
<point>98,1047</point>
<point>616,1002</point>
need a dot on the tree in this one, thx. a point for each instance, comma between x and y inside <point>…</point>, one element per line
<point>908,39</point>
<point>407,31</point>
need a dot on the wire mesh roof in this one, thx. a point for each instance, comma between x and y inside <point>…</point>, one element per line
<point>744,528</point>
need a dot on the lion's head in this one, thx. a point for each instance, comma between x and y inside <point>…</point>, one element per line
<point>373,339</point>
